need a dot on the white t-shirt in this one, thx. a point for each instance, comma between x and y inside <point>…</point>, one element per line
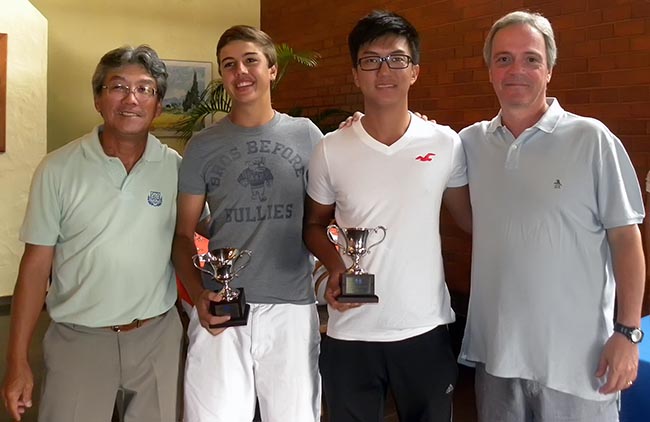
<point>542,288</point>
<point>399,187</point>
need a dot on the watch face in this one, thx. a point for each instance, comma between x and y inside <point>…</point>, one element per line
<point>636,335</point>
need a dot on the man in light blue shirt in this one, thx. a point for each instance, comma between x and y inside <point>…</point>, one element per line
<point>556,204</point>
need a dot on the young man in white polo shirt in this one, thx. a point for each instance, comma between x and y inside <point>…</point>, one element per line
<point>99,226</point>
<point>389,169</point>
<point>556,205</point>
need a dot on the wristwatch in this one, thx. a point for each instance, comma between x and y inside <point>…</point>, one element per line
<point>634,334</point>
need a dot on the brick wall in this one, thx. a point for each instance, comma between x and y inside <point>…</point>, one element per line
<point>603,69</point>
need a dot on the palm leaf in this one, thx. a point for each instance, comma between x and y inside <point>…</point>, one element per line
<point>286,55</point>
<point>213,99</point>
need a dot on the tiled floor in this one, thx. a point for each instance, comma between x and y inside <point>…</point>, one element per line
<point>463,400</point>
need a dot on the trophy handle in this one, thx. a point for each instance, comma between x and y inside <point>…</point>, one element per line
<point>375,230</point>
<point>241,267</point>
<point>340,234</point>
<point>196,260</point>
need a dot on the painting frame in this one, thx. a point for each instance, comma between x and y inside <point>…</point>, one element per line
<point>180,83</point>
<point>3,92</point>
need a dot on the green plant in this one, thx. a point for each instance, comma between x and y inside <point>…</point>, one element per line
<point>214,97</point>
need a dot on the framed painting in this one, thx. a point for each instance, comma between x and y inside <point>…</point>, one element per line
<point>3,92</point>
<point>186,81</point>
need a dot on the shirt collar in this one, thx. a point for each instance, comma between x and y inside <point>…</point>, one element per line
<point>547,123</point>
<point>93,148</point>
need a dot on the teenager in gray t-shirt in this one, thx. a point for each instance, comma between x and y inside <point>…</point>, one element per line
<point>254,182</point>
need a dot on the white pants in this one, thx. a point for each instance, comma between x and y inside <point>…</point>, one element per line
<point>273,358</point>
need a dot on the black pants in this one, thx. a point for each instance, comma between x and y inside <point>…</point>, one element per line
<point>421,372</point>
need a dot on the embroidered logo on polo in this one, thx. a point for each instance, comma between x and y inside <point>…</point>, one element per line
<point>557,184</point>
<point>155,199</point>
<point>428,157</point>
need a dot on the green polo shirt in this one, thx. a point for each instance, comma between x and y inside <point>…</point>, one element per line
<point>112,231</point>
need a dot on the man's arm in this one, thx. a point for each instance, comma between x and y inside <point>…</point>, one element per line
<point>620,357</point>
<point>314,233</point>
<point>27,303</point>
<point>457,202</point>
<point>188,213</point>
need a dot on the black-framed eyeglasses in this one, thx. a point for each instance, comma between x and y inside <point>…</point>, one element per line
<point>394,61</point>
<point>141,92</point>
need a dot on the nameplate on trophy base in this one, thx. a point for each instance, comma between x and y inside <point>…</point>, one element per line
<point>237,308</point>
<point>358,288</point>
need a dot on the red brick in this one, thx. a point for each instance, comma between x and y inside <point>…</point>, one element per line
<point>614,45</point>
<point>633,27</point>
<point>591,17</point>
<point>600,31</point>
<point>641,43</point>
<point>563,23</point>
<point>577,96</point>
<point>474,62</point>
<point>563,81</point>
<point>601,63</point>
<point>588,80</point>
<point>587,48</point>
<point>481,75</point>
<point>634,94</point>
<point>632,127</point>
<point>625,77</point>
<point>633,60</point>
<point>617,13</point>
<point>603,95</point>
<point>579,64</point>
<point>640,9</point>
<point>573,6</point>
<point>571,36</point>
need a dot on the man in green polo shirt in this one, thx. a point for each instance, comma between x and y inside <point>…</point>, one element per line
<point>99,226</point>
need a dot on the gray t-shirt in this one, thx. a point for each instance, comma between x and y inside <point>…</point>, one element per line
<point>254,181</point>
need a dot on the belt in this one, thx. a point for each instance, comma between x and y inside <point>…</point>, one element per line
<point>136,323</point>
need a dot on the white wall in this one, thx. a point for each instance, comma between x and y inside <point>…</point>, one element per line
<point>26,125</point>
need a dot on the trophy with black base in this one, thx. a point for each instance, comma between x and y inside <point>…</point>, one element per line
<point>220,264</point>
<point>357,285</point>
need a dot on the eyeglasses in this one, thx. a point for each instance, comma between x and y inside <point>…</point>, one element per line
<point>394,61</point>
<point>141,92</point>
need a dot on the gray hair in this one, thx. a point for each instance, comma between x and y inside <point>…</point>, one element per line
<point>142,55</point>
<point>534,20</point>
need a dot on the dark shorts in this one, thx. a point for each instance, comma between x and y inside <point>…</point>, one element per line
<point>420,371</point>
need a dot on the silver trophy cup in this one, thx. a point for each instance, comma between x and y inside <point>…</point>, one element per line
<point>357,285</point>
<point>220,264</point>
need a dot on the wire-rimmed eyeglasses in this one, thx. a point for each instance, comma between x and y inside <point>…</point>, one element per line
<point>393,61</point>
<point>142,92</point>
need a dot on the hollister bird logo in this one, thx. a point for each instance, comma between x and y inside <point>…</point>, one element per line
<point>425,157</point>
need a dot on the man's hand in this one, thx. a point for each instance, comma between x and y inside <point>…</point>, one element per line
<point>203,309</point>
<point>333,291</point>
<point>619,361</point>
<point>17,389</point>
<point>348,122</point>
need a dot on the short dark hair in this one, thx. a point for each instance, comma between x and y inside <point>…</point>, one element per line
<point>248,34</point>
<point>142,55</point>
<point>378,24</point>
